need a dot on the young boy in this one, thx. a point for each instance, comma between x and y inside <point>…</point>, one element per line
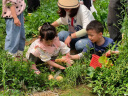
<point>97,43</point>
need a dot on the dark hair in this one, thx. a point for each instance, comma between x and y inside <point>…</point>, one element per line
<point>48,32</point>
<point>95,25</point>
<point>62,12</point>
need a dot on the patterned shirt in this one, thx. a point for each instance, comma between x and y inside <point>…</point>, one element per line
<point>80,21</point>
<point>45,53</point>
<point>6,4</point>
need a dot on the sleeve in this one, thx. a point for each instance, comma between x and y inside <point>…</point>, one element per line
<point>111,44</point>
<point>63,20</point>
<point>81,54</point>
<point>63,48</point>
<point>81,33</point>
<point>9,3</point>
<point>86,16</point>
<point>59,21</point>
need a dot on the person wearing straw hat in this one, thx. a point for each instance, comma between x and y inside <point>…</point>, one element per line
<point>77,17</point>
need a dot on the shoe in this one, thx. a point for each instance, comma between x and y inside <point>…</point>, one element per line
<point>11,54</point>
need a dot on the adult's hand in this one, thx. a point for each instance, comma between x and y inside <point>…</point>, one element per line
<point>67,41</point>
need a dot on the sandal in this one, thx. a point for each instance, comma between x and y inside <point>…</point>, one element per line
<point>51,68</point>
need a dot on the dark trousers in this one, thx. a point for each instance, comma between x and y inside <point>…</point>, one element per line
<point>33,5</point>
<point>114,17</point>
<point>35,59</point>
<point>87,3</point>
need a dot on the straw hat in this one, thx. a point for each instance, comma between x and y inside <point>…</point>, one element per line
<point>68,3</point>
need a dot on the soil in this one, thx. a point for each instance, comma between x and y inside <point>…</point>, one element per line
<point>28,42</point>
<point>81,90</point>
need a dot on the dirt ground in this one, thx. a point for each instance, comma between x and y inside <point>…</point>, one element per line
<point>81,90</point>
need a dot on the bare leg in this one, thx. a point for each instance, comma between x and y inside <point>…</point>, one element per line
<point>35,69</point>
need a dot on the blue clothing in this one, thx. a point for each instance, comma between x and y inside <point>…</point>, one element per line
<point>99,50</point>
<point>15,38</point>
<point>77,43</point>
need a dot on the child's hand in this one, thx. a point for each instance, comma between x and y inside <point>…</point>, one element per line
<point>68,56</point>
<point>108,53</point>
<point>62,67</point>
<point>68,60</point>
<point>17,22</point>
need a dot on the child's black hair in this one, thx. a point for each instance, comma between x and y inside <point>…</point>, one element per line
<point>95,25</point>
<point>62,12</point>
<point>48,32</point>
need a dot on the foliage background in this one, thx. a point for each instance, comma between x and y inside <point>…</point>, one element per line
<point>16,78</point>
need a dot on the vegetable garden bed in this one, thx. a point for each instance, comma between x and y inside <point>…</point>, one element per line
<point>17,79</point>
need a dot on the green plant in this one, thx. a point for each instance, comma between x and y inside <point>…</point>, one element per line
<point>46,13</point>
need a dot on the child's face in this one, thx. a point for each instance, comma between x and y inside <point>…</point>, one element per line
<point>94,36</point>
<point>48,43</point>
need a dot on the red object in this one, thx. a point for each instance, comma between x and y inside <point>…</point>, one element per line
<point>72,21</point>
<point>94,61</point>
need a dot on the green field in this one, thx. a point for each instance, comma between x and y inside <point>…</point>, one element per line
<point>16,78</point>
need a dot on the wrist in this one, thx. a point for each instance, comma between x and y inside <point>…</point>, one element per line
<point>15,18</point>
<point>70,35</point>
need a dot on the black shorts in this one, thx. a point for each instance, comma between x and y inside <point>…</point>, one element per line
<point>35,59</point>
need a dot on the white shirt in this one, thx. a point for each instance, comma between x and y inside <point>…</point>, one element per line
<point>81,20</point>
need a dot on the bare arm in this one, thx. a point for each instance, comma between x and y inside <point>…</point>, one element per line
<point>109,52</point>
<point>55,24</point>
<point>73,57</point>
<point>16,20</point>
<point>55,64</point>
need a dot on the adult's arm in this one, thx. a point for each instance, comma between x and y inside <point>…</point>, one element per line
<point>75,35</point>
<point>86,17</point>
<point>56,23</point>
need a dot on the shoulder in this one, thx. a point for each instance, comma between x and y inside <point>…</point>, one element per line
<point>83,7</point>
<point>56,41</point>
<point>108,40</point>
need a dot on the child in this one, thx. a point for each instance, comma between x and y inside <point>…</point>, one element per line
<point>97,42</point>
<point>46,48</point>
<point>12,11</point>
